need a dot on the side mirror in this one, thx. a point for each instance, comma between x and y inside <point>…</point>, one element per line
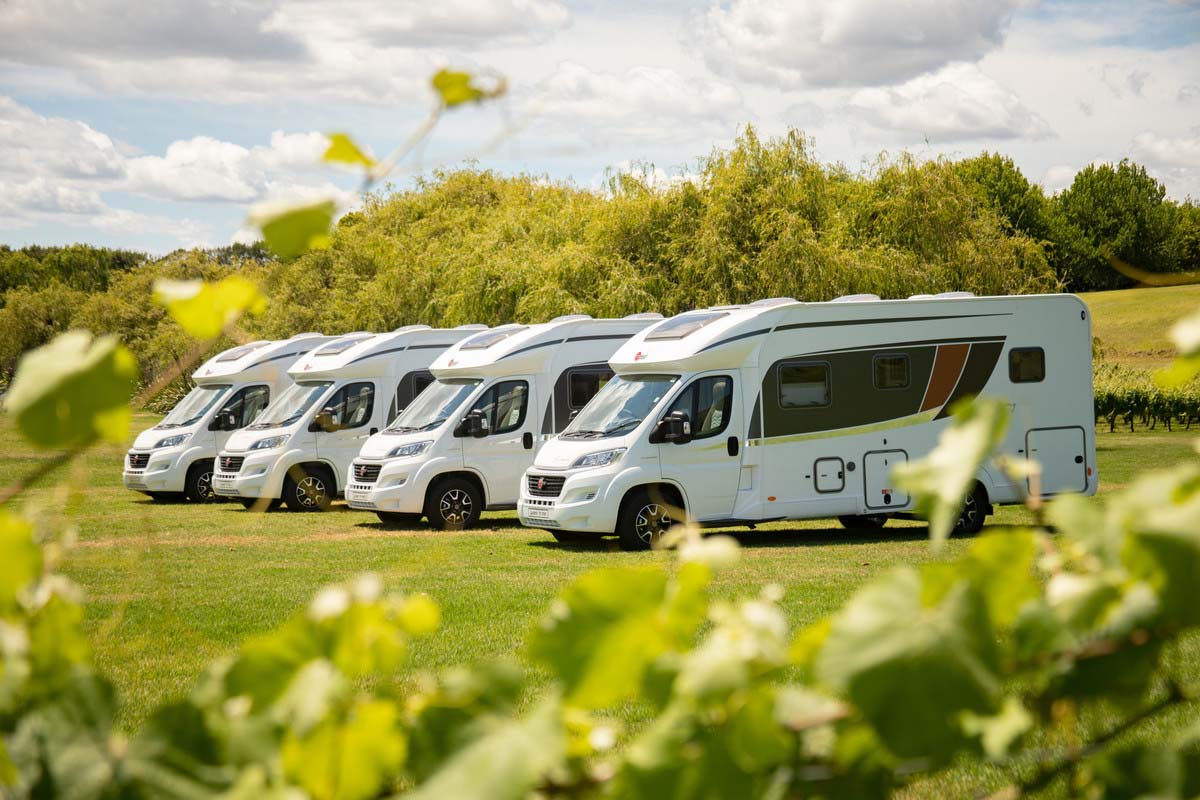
<point>224,422</point>
<point>322,423</point>
<point>474,424</point>
<point>675,427</point>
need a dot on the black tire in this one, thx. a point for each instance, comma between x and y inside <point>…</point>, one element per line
<point>308,489</point>
<point>863,522</point>
<point>974,512</point>
<point>394,518</point>
<point>197,486</point>
<point>453,504</point>
<point>643,519</point>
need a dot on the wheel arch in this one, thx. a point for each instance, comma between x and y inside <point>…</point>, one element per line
<point>463,474</point>
<point>671,492</point>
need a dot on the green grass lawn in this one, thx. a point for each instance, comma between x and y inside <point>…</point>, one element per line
<point>1132,324</point>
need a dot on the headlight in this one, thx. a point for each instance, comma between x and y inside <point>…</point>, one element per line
<point>270,442</point>
<point>409,450</point>
<point>172,441</point>
<point>601,459</point>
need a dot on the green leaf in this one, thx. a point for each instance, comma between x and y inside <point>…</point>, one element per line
<point>912,670</point>
<point>999,732</point>
<point>343,150</point>
<point>292,229</point>
<point>1000,566</point>
<point>942,479</point>
<point>20,559</point>
<point>455,88</point>
<point>204,309</point>
<point>508,762</point>
<point>353,758</point>
<point>755,738</point>
<point>74,390</point>
<point>419,615</point>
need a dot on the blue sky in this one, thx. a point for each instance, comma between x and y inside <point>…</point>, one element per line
<point>155,126</point>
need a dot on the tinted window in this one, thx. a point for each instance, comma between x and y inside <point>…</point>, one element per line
<point>891,371</point>
<point>708,403</point>
<point>504,405</point>
<point>804,385</point>
<point>351,406</point>
<point>1026,365</point>
<point>582,386</point>
<point>246,404</point>
<point>407,390</point>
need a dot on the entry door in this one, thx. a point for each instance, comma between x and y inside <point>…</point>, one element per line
<point>1060,451</point>
<point>354,411</point>
<point>879,490</point>
<point>709,466</point>
<point>507,451</point>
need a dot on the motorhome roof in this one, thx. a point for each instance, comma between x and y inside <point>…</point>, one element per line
<point>349,349</point>
<point>241,361</point>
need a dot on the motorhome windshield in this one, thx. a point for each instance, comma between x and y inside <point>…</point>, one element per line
<point>291,405</point>
<point>194,406</point>
<point>616,409</point>
<point>436,404</point>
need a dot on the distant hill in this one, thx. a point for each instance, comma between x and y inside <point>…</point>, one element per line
<point>1133,324</point>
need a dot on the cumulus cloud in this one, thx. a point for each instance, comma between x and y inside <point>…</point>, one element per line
<point>1167,152</point>
<point>821,43</point>
<point>956,103</point>
<point>644,103</point>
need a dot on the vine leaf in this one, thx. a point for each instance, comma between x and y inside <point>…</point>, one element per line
<point>348,759</point>
<point>204,309</point>
<point>455,88</point>
<point>293,228</point>
<point>344,150</point>
<point>942,479</point>
<point>74,390</point>
<point>22,561</point>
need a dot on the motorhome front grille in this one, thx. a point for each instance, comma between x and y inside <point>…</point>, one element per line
<point>545,485</point>
<point>231,463</point>
<point>138,460</point>
<point>366,473</point>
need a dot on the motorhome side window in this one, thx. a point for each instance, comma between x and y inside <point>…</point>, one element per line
<point>708,403</point>
<point>246,404</point>
<point>1026,365</point>
<point>583,384</point>
<point>504,405</point>
<point>891,370</point>
<point>351,406</point>
<point>804,385</point>
<point>407,390</point>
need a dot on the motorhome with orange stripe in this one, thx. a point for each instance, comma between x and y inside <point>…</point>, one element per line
<point>780,409</point>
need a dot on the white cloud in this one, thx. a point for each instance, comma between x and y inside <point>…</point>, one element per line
<point>818,43</point>
<point>956,103</point>
<point>643,103</point>
<point>1057,178</point>
<point>1167,152</point>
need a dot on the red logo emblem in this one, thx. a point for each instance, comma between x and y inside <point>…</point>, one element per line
<point>307,367</point>
<point>451,363</point>
<point>639,356</point>
<point>541,484</point>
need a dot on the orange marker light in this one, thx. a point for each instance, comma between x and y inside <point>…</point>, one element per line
<point>771,498</point>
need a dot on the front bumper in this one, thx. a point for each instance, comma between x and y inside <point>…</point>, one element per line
<point>399,487</point>
<point>583,504</point>
<point>165,470</point>
<point>260,475</point>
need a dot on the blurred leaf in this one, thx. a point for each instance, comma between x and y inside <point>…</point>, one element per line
<point>1186,335</point>
<point>353,758</point>
<point>292,229</point>
<point>419,615</point>
<point>941,480</point>
<point>999,732</point>
<point>508,762</point>
<point>20,559</point>
<point>74,390</point>
<point>343,150</point>
<point>999,565</point>
<point>204,309</point>
<point>754,735</point>
<point>455,88</point>
<point>912,670</point>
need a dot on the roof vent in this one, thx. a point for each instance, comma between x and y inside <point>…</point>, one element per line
<point>411,328</point>
<point>474,326</point>
<point>920,297</point>
<point>772,301</point>
<point>644,315</point>
<point>723,308</point>
<point>570,318</point>
<point>307,335</point>
<point>856,298</point>
<point>953,295</point>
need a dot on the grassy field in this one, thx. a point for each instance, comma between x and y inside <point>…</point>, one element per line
<point>1132,324</point>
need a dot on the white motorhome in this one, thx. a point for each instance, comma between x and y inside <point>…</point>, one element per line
<point>344,391</point>
<point>787,410</point>
<point>462,446</point>
<point>175,457</point>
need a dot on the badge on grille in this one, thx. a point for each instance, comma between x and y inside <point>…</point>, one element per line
<point>541,484</point>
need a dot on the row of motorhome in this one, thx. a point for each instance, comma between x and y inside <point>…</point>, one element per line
<point>732,415</point>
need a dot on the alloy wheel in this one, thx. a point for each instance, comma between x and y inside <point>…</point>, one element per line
<point>456,507</point>
<point>651,522</point>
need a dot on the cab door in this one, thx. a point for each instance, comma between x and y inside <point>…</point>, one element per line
<point>349,418</point>
<point>238,412</point>
<point>709,465</point>
<point>506,450</point>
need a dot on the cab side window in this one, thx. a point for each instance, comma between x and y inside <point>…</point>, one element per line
<point>351,406</point>
<point>246,404</point>
<point>407,390</point>
<point>583,384</point>
<point>708,403</point>
<point>504,405</point>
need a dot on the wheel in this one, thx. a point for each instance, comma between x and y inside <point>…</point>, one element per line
<point>197,486</point>
<point>642,521</point>
<point>308,489</point>
<point>393,518</point>
<point>974,511</point>
<point>453,505</point>
<point>870,522</point>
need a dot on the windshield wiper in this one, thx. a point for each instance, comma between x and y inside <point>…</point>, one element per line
<point>629,423</point>
<point>402,429</point>
<point>582,434</point>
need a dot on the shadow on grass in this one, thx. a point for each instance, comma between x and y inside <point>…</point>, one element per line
<point>790,537</point>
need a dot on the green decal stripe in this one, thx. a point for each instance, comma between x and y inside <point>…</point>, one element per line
<point>891,424</point>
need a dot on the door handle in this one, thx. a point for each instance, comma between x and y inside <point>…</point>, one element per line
<point>527,440</point>
<point>731,445</point>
